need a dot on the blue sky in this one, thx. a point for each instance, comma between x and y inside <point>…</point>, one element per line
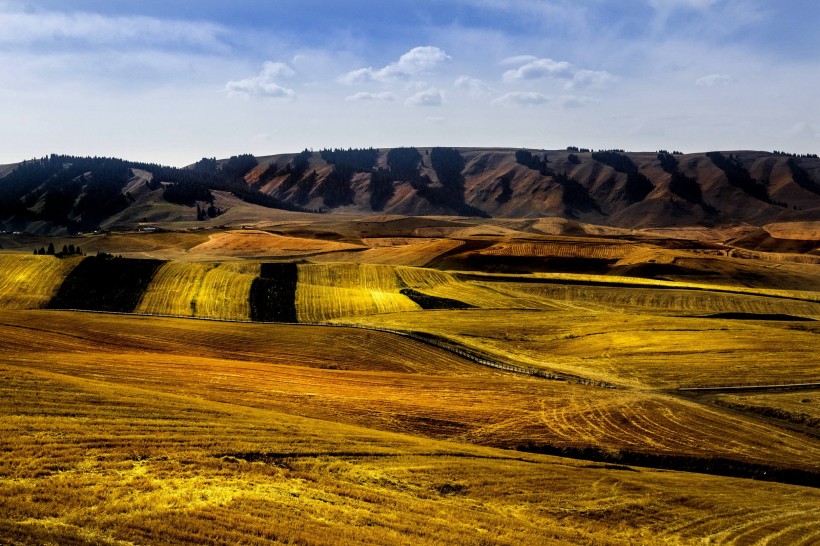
<point>173,81</point>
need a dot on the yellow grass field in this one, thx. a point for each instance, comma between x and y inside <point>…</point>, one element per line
<point>29,282</point>
<point>394,251</point>
<point>641,351</point>
<point>201,289</point>
<point>329,291</point>
<point>261,244</point>
<point>149,430</point>
<point>118,429</point>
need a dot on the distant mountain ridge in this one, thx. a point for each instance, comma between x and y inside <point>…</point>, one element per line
<point>607,187</point>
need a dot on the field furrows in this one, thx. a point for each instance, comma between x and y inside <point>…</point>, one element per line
<point>102,463</point>
<point>628,349</point>
<point>252,243</point>
<point>406,252</point>
<point>326,292</point>
<point>201,289</point>
<point>666,300</point>
<point>560,250</point>
<point>29,282</point>
<point>444,285</point>
<point>368,384</point>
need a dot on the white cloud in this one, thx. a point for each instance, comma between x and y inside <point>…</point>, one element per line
<point>436,120</point>
<point>419,60</point>
<point>263,84</point>
<point>275,70</point>
<point>526,98</point>
<point>365,96</point>
<point>519,60</point>
<point>428,97</point>
<point>475,88</point>
<point>539,69</point>
<point>572,76</point>
<point>80,29</point>
<point>590,79</point>
<point>715,80</point>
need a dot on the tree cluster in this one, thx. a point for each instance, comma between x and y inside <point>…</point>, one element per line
<point>637,186</point>
<point>802,178</point>
<point>76,192</point>
<point>799,156</point>
<point>526,158</point>
<point>68,250</point>
<point>680,184</point>
<point>739,177</point>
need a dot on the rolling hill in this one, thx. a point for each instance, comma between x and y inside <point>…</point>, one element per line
<point>64,194</point>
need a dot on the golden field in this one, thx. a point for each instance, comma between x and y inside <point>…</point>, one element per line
<point>174,431</point>
<point>123,429</point>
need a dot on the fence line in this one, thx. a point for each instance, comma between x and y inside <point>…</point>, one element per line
<point>446,346</point>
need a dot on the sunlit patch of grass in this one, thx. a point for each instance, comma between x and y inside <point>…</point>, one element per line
<point>29,281</point>
<point>201,289</point>
<point>103,463</point>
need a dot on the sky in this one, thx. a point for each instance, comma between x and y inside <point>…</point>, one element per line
<point>173,81</point>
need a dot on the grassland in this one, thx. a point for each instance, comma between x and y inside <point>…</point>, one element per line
<point>201,289</point>
<point>112,442</point>
<point>30,282</point>
<point>329,291</point>
<point>139,429</point>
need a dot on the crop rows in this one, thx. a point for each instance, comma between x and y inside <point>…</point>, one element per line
<point>666,299</point>
<point>329,291</point>
<point>562,250</point>
<point>410,253</point>
<point>29,282</point>
<point>201,289</point>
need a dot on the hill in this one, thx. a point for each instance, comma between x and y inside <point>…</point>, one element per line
<point>64,194</point>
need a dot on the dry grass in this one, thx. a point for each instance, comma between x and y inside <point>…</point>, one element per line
<point>201,289</point>
<point>329,291</point>
<point>394,251</point>
<point>642,351</point>
<point>261,244</point>
<point>110,441</point>
<point>100,463</point>
<point>29,282</point>
<point>333,373</point>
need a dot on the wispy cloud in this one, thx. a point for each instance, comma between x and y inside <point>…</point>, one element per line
<point>525,98</point>
<point>474,87</point>
<point>365,96</point>
<point>428,97</point>
<point>575,101</point>
<point>715,80</point>
<point>417,61</point>
<point>539,69</point>
<point>264,84</point>
<point>63,29</point>
<point>570,75</point>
